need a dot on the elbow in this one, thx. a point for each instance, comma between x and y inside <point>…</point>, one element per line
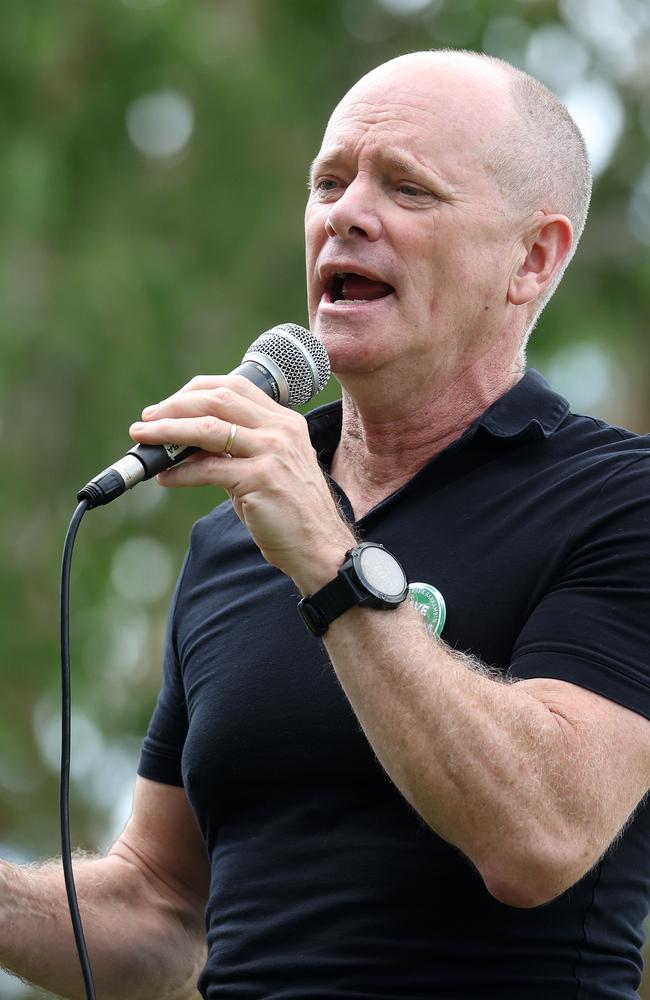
<point>518,891</point>
<point>534,878</point>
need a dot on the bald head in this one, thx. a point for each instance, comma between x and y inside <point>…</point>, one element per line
<point>523,135</point>
<point>531,143</point>
<point>475,93</point>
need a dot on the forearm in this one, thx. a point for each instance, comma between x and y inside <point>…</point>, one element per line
<point>139,946</point>
<point>480,760</point>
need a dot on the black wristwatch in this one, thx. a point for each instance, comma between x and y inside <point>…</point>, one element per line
<point>370,577</point>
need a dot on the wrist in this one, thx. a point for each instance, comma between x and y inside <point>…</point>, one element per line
<point>323,564</point>
<point>369,577</point>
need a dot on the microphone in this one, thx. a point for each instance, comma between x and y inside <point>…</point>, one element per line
<point>288,363</point>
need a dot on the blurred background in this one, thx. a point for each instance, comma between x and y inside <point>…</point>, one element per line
<point>152,183</point>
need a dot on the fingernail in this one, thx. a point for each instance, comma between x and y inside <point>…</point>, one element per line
<point>137,426</point>
<point>148,410</point>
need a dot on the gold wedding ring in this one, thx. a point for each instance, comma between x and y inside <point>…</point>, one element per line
<point>231,438</point>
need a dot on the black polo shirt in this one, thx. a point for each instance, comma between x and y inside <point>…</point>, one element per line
<point>535,525</point>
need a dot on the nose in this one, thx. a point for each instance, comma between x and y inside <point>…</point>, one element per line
<point>355,213</point>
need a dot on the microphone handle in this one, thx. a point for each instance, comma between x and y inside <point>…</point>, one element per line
<point>155,457</point>
<point>144,461</point>
<point>259,376</point>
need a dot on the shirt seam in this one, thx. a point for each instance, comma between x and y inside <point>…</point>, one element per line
<point>580,959</point>
<point>603,425</point>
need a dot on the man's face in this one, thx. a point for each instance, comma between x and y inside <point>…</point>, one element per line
<point>409,242</point>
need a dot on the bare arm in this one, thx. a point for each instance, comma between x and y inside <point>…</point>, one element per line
<point>531,780</point>
<point>141,906</point>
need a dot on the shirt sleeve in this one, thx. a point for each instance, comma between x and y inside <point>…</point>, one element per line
<point>162,749</point>
<point>592,628</point>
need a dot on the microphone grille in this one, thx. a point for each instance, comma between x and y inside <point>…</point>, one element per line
<point>299,355</point>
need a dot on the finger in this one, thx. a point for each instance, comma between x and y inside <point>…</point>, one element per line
<point>222,402</point>
<point>237,383</point>
<point>205,470</point>
<point>208,433</point>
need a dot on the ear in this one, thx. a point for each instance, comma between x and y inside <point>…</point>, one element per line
<point>545,249</point>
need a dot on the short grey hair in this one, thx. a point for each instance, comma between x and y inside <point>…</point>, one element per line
<point>540,161</point>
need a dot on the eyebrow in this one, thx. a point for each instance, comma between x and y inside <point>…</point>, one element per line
<point>394,160</point>
<point>322,163</point>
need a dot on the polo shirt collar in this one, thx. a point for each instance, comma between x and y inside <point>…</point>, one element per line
<point>531,410</point>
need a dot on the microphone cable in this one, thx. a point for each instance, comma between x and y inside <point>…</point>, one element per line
<point>291,366</point>
<point>64,786</point>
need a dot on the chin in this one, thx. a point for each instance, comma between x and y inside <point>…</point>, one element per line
<point>349,362</point>
<point>339,342</point>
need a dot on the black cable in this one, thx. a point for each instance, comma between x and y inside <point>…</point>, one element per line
<point>64,787</point>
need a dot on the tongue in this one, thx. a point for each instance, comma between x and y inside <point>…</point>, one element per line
<point>357,287</point>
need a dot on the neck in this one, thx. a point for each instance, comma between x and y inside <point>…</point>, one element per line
<point>387,437</point>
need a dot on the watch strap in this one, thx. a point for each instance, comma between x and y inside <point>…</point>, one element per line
<point>320,609</point>
<point>345,591</point>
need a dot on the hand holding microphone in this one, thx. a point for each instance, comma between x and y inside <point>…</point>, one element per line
<point>287,363</point>
<point>238,433</point>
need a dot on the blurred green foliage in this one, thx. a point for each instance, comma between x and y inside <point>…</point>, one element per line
<point>123,274</point>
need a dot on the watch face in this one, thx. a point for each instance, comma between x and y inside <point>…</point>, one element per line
<point>382,571</point>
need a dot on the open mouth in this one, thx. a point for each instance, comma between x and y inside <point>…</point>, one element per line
<point>348,288</point>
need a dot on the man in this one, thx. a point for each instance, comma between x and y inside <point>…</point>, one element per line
<point>390,815</point>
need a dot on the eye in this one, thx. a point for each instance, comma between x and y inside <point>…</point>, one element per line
<point>413,192</point>
<point>322,185</point>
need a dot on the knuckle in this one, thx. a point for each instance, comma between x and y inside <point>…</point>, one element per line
<point>296,424</point>
<point>222,395</point>
<point>239,383</point>
<point>267,470</point>
<point>271,440</point>
<point>207,425</point>
<point>165,426</point>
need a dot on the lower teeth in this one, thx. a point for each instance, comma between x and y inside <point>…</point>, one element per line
<point>349,302</point>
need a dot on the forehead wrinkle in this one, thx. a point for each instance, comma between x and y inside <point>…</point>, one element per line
<point>368,114</point>
<point>394,158</point>
<point>383,104</point>
<point>466,135</point>
<point>432,100</point>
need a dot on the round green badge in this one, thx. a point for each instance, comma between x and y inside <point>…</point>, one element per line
<point>431,605</point>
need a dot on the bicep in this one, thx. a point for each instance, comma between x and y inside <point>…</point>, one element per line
<point>162,838</point>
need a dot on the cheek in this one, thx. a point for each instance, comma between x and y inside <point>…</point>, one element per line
<point>315,237</point>
<point>315,219</point>
<point>313,247</point>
